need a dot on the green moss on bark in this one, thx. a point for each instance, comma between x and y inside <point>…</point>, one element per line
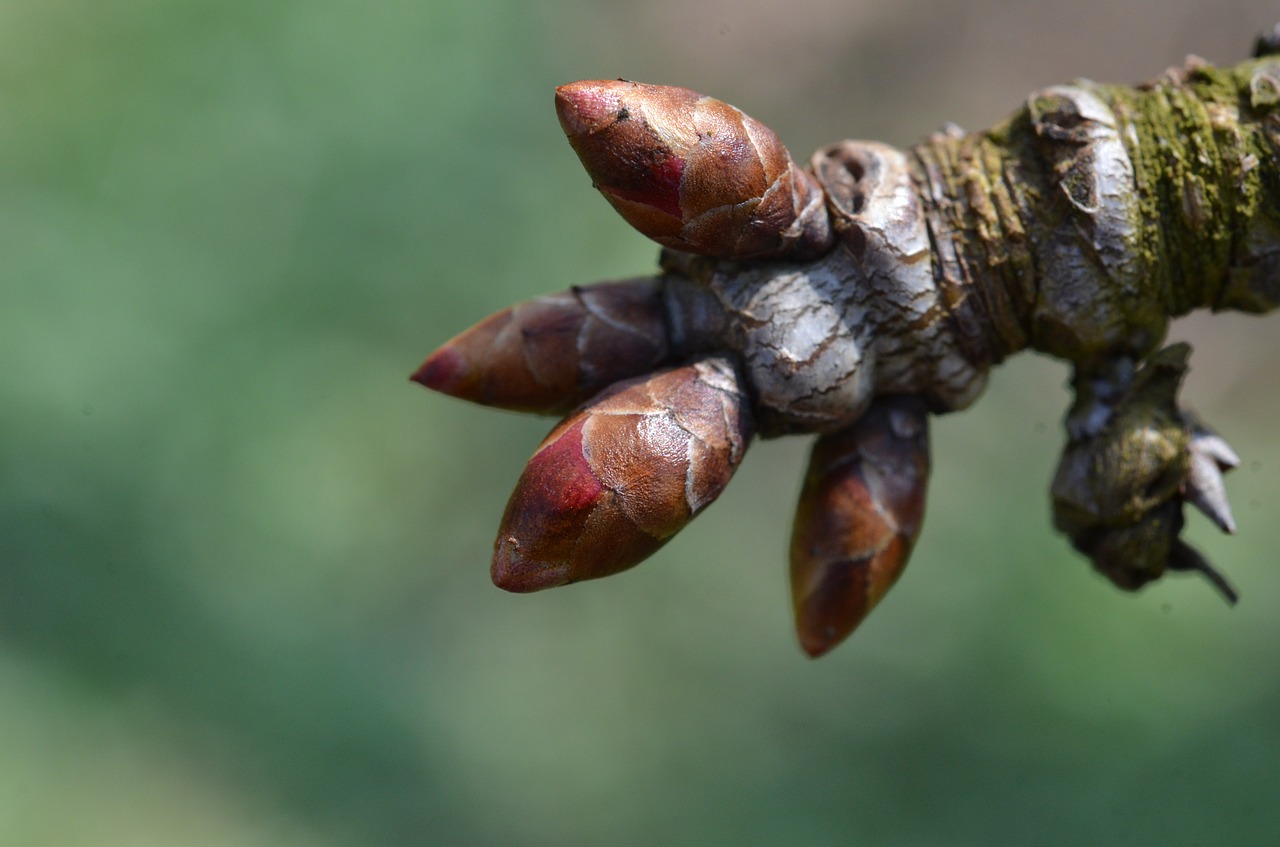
<point>1045,236</point>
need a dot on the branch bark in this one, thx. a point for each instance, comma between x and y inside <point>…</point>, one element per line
<point>853,298</point>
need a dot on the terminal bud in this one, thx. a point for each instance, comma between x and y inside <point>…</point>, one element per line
<point>693,173</point>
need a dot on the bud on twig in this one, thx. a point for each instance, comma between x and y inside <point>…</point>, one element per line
<point>1119,493</point>
<point>549,354</point>
<point>860,512</point>
<point>614,481</point>
<point>693,173</point>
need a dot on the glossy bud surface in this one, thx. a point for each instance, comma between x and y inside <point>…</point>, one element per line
<point>693,173</point>
<point>616,479</point>
<point>860,511</point>
<point>549,354</point>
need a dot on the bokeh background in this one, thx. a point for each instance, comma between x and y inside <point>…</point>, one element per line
<point>244,596</point>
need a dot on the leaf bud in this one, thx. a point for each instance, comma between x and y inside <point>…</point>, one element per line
<point>859,514</point>
<point>693,173</point>
<point>550,354</point>
<point>616,479</point>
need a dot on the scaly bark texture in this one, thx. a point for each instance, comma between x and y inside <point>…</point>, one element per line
<point>1093,214</point>
<point>853,298</point>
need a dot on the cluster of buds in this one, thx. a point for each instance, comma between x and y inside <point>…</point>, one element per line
<point>853,298</point>
<point>655,423</point>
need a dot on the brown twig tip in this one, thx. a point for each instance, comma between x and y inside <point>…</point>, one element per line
<point>615,480</point>
<point>691,172</point>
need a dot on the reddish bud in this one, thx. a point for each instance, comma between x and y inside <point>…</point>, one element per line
<point>615,480</point>
<point>860,512</point>
<point>693,173</point>
<point>550,354</point>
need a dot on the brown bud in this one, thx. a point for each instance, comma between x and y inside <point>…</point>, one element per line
<point>615,480</point>
<point>549,354</point>
<point>693,173</point>
<point>859,514</point>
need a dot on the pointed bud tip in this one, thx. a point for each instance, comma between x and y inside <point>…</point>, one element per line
<point>832,608</point>
<point>818,644</point>
<point>589,105</point>
<point>443,370</point>
<point>511,571</point>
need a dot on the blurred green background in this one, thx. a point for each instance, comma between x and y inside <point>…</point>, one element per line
<point>244,596</point>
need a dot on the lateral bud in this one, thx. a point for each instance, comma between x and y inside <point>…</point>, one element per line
<point>693,173</point>
<point>1118,494</point>
<point>549,354</point>
<point>859,514</point>
<point>616,479</point>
